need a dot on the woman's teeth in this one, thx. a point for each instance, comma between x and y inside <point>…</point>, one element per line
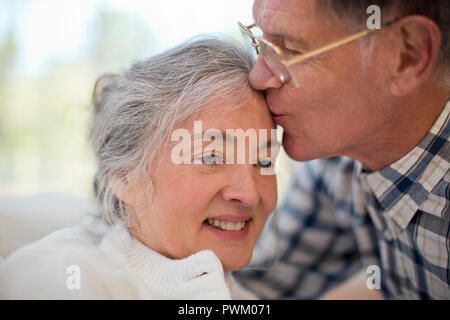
<point>226,225</point>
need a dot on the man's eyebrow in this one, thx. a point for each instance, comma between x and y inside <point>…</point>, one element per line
<point>297,41</point>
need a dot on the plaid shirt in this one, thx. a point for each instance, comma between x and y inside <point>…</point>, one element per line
<point>339,218</point>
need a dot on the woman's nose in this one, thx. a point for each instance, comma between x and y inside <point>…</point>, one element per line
<point>242,187</point>
<point>261,76</point>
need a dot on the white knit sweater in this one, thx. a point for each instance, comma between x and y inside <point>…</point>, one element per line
<point>116,266</point>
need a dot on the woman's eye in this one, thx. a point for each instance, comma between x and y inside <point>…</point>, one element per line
<point>211,159</point>
<point>265,163</point>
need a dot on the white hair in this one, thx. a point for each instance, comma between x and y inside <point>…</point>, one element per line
<point>135,112</point>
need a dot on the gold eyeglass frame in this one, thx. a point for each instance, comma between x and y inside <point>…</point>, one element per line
<point>303,56</point>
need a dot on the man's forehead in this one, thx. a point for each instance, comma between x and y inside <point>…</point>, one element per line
<point>303,22</point>
<point>279,16</point>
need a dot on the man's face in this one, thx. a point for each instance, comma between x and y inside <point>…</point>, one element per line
<point>338,107</point>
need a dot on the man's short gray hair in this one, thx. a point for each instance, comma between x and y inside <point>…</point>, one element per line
<point>135,112</point>
<point>436,10</point>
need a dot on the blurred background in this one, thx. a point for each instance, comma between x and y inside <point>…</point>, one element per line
<point>52,51</point>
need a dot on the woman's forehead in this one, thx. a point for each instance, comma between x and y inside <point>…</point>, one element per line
<point>253,114</point>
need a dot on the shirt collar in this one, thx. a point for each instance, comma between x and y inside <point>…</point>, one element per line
<point>403,186</point>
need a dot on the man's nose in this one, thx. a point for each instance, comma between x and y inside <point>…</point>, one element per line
<point>242,188</point>
<point>261,76</point>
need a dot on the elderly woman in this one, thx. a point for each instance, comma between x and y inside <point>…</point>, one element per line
<point>177,228</point>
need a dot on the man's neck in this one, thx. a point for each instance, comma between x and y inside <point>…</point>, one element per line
<point>410,121</point>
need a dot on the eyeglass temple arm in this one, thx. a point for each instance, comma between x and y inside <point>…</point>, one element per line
<point>250,34</point>
<point>336,44</point>
<point>328,47</point>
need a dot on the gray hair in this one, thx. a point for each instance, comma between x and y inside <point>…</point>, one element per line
<point>134,113</point>
<point>436,10</point>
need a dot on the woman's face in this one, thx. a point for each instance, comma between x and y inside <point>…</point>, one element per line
<point>221,207</point>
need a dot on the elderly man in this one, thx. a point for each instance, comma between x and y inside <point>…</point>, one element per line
<point>372,107</point>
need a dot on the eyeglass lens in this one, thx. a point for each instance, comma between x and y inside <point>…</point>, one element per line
<point>273,61</point>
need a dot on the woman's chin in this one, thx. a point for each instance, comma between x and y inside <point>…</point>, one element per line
<point>236,262</point>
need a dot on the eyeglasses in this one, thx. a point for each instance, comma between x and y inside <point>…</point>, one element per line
<point>276,59</point>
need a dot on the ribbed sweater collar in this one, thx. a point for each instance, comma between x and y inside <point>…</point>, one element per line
<point>197,276</point>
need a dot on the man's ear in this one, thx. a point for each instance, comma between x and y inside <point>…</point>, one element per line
<point>418,40</point>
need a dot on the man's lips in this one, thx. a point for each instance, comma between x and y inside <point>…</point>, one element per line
<point>277,118</point>
<point>275,113</point>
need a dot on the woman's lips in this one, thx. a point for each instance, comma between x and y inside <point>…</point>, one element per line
<point>232,217</point>
<point>227,221</point>
<point>229,234</point>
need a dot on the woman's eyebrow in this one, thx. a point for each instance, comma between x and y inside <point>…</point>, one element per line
<point>201,135</point>
<point>230,138</point>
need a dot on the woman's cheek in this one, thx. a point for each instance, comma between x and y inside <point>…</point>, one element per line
<point>270,195</point>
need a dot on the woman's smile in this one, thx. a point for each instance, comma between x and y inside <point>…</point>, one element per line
<point>227,230</point>
<point>228,227</point>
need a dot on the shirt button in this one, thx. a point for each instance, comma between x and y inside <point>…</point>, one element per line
<point>387,235</point>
